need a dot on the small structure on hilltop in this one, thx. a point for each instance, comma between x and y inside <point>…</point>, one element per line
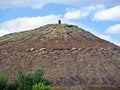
<point>59,21</point>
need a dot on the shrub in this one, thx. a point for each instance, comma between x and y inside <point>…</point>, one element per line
<point>41,86</point>
<point>3,82</point>
<point>13,86</point>
<point>27,80</point>
<point>38,77</point>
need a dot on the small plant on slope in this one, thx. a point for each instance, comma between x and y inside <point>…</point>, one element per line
<point>41,86</point>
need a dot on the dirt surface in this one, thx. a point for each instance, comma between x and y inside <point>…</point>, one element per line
<point>68,54</point>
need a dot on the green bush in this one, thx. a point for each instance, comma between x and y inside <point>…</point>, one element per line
<point>41,86</point>
<point>38,78</point>
<point>13,86</point>
<point>3,82</point>
<point>27,80</point>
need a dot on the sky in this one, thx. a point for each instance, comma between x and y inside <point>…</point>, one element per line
<point>100,17</point>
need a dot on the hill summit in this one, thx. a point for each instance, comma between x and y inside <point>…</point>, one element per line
<point>54,36</point>
<point>68,54</point>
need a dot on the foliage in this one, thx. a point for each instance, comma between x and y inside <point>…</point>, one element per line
<point>37,76</point>
<point>41,86</point>
<point>13,86</point>
<point>27,80</point>
<point>3,82</point>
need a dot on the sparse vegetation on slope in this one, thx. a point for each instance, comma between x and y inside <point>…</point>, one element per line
<point>69,56</point>
<point>27,81</point>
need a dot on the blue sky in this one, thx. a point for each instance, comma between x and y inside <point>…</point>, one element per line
<point>100,17</point>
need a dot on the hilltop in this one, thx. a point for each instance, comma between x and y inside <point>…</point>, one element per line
<point>54,36</point>
<point>68,54</point>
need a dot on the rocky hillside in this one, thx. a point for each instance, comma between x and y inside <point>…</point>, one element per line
<point>68,54</point>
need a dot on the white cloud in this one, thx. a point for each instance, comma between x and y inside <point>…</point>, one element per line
<point>108,14</point>
<point>26,23</point>
<point>117,43</point>
<point>33,3</point>
<point>77,14</point>
<point>41,3</point>
<point>73,14</point>
<point>83,12</point>
<point>3,32</point>
<point>105,37</point>
<point>94,2</point>
<point>114,29</point>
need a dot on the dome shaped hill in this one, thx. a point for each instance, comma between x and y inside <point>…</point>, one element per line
<point>68,54</point>
<point>54,36</point>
